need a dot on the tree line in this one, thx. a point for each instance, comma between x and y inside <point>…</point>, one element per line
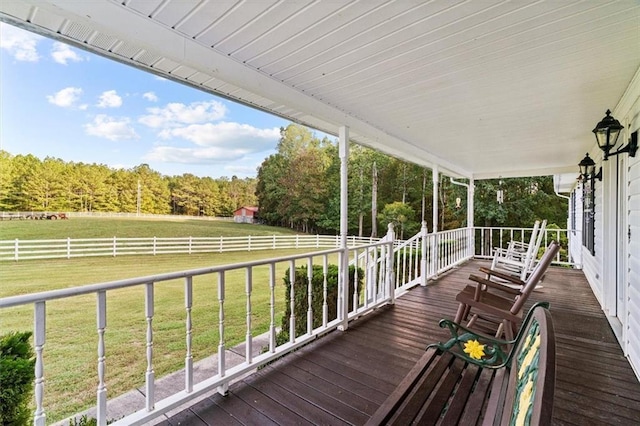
<point>299,187</point>
<point>28,183</point>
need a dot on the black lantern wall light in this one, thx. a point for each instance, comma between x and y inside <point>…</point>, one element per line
<point>607,132</point>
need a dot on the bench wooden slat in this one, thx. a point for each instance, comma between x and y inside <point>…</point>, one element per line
<point>423,388</point>
<point>430,413</point>
<point>475,404</point>
<point>447,387</point>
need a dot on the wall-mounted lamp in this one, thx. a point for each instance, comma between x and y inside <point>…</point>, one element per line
<point>607,132</point>
<point>500,193</point>
<point>588,169</point>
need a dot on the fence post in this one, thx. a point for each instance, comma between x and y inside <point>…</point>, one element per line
<point>249,243</point>
<point>389,276</point>
<point>114,246</point>
<point>154,246</point>
<point>68,247</point>
<point>16,250</point>
<point>423,260</point>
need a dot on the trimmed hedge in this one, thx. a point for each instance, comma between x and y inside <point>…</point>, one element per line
<point>17,364</point>
<point>301,292</point>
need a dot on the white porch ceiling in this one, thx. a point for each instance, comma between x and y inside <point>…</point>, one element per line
<point>482,88</point>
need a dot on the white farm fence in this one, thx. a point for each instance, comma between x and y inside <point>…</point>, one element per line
<point>82,247</point>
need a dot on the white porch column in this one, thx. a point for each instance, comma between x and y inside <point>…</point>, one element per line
<point>470,224</point>
<point>423,255</point>
<point>343,280</point>
<point>436,180</point>
<point>435,256</point>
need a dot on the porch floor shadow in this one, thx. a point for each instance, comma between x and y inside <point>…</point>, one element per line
<point>344,377</point>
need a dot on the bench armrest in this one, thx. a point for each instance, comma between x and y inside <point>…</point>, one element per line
<point>493,284</point>
<point>494,355</point>
<point>492,349</point>
<point>502,275</point>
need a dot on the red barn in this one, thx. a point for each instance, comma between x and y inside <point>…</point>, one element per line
<point>245,215</point>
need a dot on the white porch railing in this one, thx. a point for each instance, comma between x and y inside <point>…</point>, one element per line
<point>386,268</point>
<point>488,238</point>
<point>377,272</point>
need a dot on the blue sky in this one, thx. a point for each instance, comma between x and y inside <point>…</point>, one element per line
<point>66,103</point>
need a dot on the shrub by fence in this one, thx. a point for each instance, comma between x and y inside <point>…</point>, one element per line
<point>16,378</point>
<point>301,294</point>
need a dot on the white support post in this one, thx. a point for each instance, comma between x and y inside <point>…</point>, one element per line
<point>435,256</point>
<point>343,279</point>
<point>389,276</point>
<point>423,256</point>
<point>471,243</point>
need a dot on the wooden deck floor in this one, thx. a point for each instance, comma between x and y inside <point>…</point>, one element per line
<point>344,377</point>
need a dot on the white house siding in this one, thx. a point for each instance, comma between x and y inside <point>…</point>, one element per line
<point>633,323</point>
<point>632,121</point>
<point>600,269</point>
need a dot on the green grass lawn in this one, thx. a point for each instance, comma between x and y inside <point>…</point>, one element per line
<point>130,228</point>
<point>71,347</point>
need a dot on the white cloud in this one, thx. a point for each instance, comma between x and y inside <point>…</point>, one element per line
<point>150,96</point>
<point>111,128</point>
<point>19,43</point>
<point>62,53</point>
<point>226,134</point>
<point>66,97</point>
<point>109,99</point>
<point>176,114</point>
<point>211,155</point>
<point>242,170</point>
<point>216,143</point>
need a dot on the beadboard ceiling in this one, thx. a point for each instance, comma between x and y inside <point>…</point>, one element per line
<point>481,88</point>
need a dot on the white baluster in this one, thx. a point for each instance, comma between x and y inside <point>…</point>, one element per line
<point>272,307</point>
<point>249,338</point>
<point>356,295</point>
<point>222,389</point>
<point>150,375</point>
<point>292,303</point>
<point>188,360</point>
<point>309,295</point>
<point>325,306</point>
<point>101,403</point>
<point>39,328</point>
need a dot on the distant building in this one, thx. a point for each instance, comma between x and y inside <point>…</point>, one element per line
<point>245,215</point>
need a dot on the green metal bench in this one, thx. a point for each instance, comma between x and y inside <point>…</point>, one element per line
<point>474,379</point>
